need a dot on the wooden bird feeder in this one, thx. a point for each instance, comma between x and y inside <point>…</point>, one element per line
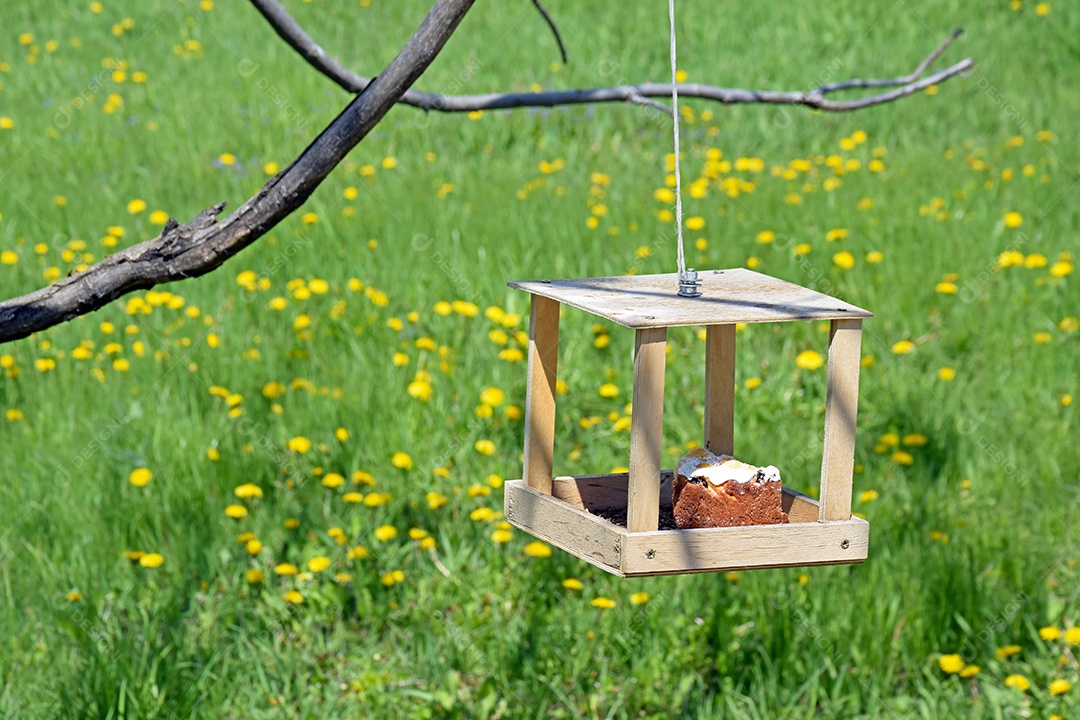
<point>566,511</point>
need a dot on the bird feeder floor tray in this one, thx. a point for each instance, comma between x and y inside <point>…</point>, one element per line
<point>571,518</point>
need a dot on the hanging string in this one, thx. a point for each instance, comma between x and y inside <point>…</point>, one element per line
<point>688,282</point>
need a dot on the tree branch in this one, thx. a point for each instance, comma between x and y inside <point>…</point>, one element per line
<point>197,247</point>
<point>292,33</point>
<point>551,24</point>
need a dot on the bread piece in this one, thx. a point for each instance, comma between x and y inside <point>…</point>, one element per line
<point>719,491</point>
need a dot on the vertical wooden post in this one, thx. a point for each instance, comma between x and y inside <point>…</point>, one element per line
<point>720,389</point>
<point>646,430</point>
<point>540,393</point>
<point>841,406</point>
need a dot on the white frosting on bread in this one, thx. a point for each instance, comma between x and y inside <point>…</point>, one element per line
<point>719,469</point>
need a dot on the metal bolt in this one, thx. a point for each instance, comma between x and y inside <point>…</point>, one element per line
<point>844,544</point>
<point>650,554</point>
<point>689,285</point>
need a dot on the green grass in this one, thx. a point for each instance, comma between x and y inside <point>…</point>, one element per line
<point>952,569</point>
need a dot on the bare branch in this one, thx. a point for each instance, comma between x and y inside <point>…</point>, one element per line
<point>551,24</point>
<point>297,38</point>
<point>893,82</point>
<point>197,247</point>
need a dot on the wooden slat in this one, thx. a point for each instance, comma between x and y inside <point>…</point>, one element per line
<point>646,430</point>
<point>589,537</point>
<point>601,492</point>
<point>728,297</point>
<point>841,406</point>
<point>540,393</point>
<point>745,548</point>
<point>720,389</point>
<point>800,508</point>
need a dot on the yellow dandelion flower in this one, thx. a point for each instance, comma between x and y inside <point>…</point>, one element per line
<point>299,444</point>
<point>903,347</point>
<point>608,390</point>
<point>236,512</point>
<point>1006,652</point>
<point>950,664</point>
<point>844,260</point>
<point>868,496</point>
<point>136,206</point>
<point>247,491</point>
<point>435,500</point>
<point>947,374</point>
<point>140,477</point>
<point>1060,687</point>
<point>969,671</point>
<point>392,578</point>
<point>420,389</point>
<point>358,553</point>
<point>572,584</point>
<point>318,563</point>
<point>353,497</point>
<point>151,560</point>
<point>501,536</point>
<point>809,360</point>
<point>286,569</point>
<point>604,603</point>
<point>538,549</point>
<point>1060,269</point>
<point>401,461</point>
<point>492,396</point>
<point>1013,220</point>
<point>1019,682</point>
<point>1050,633</point>
<point>333,480</point>
<point>484,447</point>
<point>902,458</point>
<point>294,597</point>
<point>385,532</point>
<point>482,514</point>
<point>639,598</point>
<point>254,576</point>
<point>1072,636</point>
<point>376,499</point>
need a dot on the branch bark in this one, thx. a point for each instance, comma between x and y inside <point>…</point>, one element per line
<point>298,39</point>
<point>199,246</point>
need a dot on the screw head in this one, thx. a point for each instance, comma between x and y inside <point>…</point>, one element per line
<point>650,553</point>
<point>844,544</point>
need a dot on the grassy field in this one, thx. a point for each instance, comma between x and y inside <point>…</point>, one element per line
<point>275,491</point>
